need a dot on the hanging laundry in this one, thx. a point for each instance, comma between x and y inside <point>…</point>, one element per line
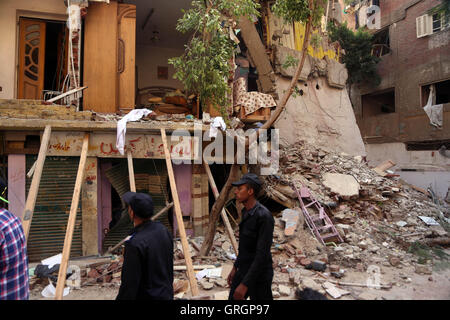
<point>133,115</point>
<point>434,111</point>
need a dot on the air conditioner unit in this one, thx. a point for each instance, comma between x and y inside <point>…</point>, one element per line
<point>424,25</point>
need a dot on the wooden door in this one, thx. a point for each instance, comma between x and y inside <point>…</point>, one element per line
<point>126,56</point>
<point>31,58</point>
<point>100,58</point>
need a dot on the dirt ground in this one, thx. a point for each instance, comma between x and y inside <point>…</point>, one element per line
<point>411,286</point>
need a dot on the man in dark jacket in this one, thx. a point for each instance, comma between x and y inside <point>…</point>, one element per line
<point>147,272</point>
<point>252,272</point>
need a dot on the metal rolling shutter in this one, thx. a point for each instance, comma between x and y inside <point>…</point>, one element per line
<point>150,177</point>
<point>51,212</point>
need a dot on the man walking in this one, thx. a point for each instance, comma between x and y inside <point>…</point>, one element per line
<point>252,272</point>
<point>14,284</point>
<point>147,272</point>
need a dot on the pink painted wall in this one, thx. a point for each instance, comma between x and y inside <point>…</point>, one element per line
<point>183,177</point>
<point>103,200</point>
<point>16,183</point>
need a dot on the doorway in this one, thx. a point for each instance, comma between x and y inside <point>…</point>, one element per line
<point>42,58</point>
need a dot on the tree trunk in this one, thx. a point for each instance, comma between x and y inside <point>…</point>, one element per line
<point>219,203</point>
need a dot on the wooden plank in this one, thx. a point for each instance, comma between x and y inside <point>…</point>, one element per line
<point>71,221</point>
<point>223,214</point>
<point>131,172</point>
<point>89,217</point>
<point>34,188</point>
<point>179,216</point>
<point>65,94</point>
<point>258,54</point>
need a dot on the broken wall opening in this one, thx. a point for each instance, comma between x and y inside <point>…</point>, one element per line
<point>381,43</point>
<point>378,103</point>
<point>150,177</point>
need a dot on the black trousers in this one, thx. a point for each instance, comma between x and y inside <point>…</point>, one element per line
<point>260,290</point>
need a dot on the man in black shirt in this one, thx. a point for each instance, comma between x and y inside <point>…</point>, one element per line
<point>147,272</point>
<point>252,272</point>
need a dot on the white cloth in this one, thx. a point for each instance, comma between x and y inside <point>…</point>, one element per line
<point>133,115</point>
<point>434,112</point>
<point>217,122</point>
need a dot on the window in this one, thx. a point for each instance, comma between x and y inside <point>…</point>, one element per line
<point>440,22</point>
<point>442,92</point>
<point>381,43</point>
<point>426,24</point>
<point>378,103</point>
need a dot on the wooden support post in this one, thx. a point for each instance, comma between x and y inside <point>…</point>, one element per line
<point>222,213</point>
<point>131,172</point>
<point>71,221</point>
<point>34,188</point>
<point>179,216</point>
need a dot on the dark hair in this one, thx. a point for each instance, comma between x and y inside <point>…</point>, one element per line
<point>255,188</point>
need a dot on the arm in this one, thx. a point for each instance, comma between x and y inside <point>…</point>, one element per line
<point>131,274</point>
<point>265,235</point>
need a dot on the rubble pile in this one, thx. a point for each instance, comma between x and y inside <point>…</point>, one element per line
<point>381,224</point>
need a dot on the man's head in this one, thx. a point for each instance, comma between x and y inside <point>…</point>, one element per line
<point>139,205</point>
<point>3,193</point>
<point>247,188</point>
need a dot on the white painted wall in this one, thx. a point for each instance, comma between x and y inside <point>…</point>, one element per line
<point>9,12</point>
<point>148,58</point>
<point>323,117</point>
<point>433,168</point>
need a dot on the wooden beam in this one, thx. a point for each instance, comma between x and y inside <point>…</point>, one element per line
<point>71,221</point>
<point>15,124</point>
<point>223,214</point>
<point>179,216</point>
<point>131,172</point>
<point>34,188</point>
<point>65,94</point>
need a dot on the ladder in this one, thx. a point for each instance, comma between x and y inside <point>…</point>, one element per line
<point>320,225</point>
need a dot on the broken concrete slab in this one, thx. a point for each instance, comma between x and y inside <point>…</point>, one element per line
<point>290,217</point>
<point>336,73</point>
<point>281,55</point>
<point>310,283</point>
<point>341,184</point>
<point>334,291</point>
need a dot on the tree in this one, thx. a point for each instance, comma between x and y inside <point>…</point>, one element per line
<point>306,11</point>
<point>358,58</point>
<point>203,67</point>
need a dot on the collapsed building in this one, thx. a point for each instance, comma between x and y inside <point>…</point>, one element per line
<point>112,60</point>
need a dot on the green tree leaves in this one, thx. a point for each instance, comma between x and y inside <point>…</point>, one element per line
<point>205,66</point>
<point>358,58</point>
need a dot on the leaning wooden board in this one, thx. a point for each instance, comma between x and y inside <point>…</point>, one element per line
<point>71,221</point>
<point>176,202</point>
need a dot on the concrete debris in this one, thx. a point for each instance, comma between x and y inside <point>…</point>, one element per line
<point>333,291</point>
<point>423,269</point>
<point>342,184</point>
<point>206,285</point>
<point>284,290</point>
<point>379,220</point>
